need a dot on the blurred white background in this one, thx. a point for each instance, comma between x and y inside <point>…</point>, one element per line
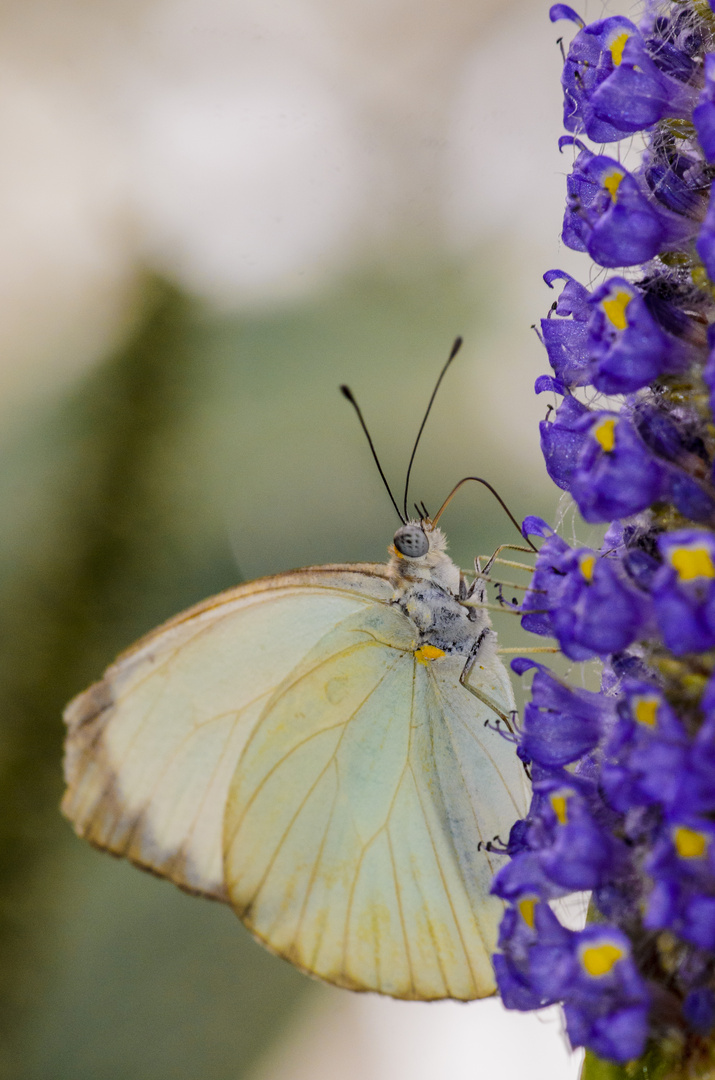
<point>263,157</point>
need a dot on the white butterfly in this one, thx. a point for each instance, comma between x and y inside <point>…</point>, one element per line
<point>306,748</point>
<point>311,748</point>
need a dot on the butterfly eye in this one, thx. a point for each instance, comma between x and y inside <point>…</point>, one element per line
<point>411,541</point>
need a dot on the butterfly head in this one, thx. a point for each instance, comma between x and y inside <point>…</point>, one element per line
<point>418,549</point>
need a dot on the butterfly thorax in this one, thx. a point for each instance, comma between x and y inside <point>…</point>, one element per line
<point>431,590</point>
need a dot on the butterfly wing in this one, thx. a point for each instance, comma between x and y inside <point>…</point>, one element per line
<point>355,812</point>
<point>281,747</point>
<point>152,747</point>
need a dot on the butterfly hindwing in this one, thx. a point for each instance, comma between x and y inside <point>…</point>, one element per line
<point>351,833</point>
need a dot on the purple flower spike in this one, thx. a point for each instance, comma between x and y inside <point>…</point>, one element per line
<point>609,216</point>
<point>623,780</point>
<point>684,591</point>
<point>704,112</point>
<point>616,475</point>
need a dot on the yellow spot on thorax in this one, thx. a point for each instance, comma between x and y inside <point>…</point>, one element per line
<point>692,562</point>
<point>689,843</point>
<point>599,960</point>
<point>425,653</point>
<point>617,46</point>
<point>526,909</point>
<point>614,308</point>
<point>612,182</point>
<point>586,564</point>
<point>645,710</point>
<point>604,433</point>
<point>558,805</point>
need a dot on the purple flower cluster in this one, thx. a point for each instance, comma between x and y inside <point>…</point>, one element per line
<point>624,779</point>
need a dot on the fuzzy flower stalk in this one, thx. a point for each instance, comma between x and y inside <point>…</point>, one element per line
<point>624,779</point>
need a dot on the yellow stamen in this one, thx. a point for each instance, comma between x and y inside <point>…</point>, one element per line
<point>599,960</point>
<point>425,653</point>
<point>604,433</point>
<point>586,565</point>
<point>612,182</point>
<point>526,909</point>
<point>558,805</point>
<point>617,46</point>
<point>614,308</point>
<point>689,843</point>
<point>692,562</point>
<point>645,710</point>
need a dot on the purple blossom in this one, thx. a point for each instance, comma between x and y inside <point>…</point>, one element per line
<point>682,866</point>
<point>539,962</point>
<point>684,590</point>
<point>616,475</point>
<point>612,87</point>
<point>610,216</point>
<point>613,339</point>
<point>547,582</point>
<point>561,723</point>
<point>567,340</point>
<point>563,438</point>
<point>598,610</point>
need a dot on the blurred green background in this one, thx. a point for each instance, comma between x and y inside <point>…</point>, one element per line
<point>205,451</point>
<point>169,430</point>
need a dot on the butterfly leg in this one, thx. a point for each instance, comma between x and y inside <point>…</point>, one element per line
<point>479,694</point>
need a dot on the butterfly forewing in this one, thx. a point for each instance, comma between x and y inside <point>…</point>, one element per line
<point>152,748</point>
<point>340,850</point>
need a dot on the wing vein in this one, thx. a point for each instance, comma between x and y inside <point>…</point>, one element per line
<point>408,956</point>
<point>344,724</point>
<point>445,886</point>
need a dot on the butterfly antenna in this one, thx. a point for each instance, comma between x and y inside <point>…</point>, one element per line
<point>496,495</point>
<point>455,349</point>
<point>347,392</point>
